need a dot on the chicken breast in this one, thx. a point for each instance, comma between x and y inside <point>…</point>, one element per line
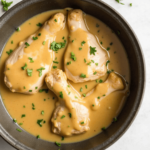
<point>84,59</point>
<point>112,84</point>
<point>70,116</point>
<point>26,67</point>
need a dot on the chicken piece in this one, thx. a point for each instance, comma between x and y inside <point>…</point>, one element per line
<point>83,50</point>
<point>27,66</point>
<point>70,116</point>
<point>113,83</point>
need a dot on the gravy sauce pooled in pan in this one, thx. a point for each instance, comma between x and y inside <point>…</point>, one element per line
<point>69,77</point>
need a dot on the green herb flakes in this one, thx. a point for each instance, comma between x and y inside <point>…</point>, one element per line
<point>73,56</point>
<point>31,59</point>
<point>19,130</point>
<point>108,61</point>
<point>9,52</point>
<point>39,122</point>
<point>63,116</point>
<point>40,71</point>
<point>61,94</point>
<point>92,50</point>
<point>58,144</point>
<point>24,67</point>
<point>42,112</point>
<point>29,72</point>
<point>70,115</point>
<point>23,115</point>
<point>82,43</point>
<point>83,75</point>
<point>39,24</point>
<point>5,4</point>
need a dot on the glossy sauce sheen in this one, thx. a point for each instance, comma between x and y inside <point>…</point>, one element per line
<point>109,107</point>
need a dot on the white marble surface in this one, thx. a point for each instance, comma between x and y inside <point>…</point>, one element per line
<point>138,16</point>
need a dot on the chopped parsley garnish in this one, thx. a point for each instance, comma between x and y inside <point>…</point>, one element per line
<point>108,61</point>
<point>72,41</point>
<point>20,124</point>
<point>97,81</point>
<point>30,90</point>
<point>58,144</point>
<point>108,48</point>
<point>69,93</point>
<point>38,136</point>
<point>81,89</point>
<point>29,72</point>
<point>104,95</point>
<point>27,44</point>
<point>76,97</point>
<point>97,25</point>
<point>9,52</point>
<point>44,42</point>
<point>40,71</point>
<point>35,38</point>
<point>19,130</point>
<point>24,67</point>
<point>31,59</point>
<point>84,95</point>
<point>84,60</point>
<point>56,62</point>
<point>73,56</point>
<point>68,63</point>
<point>33,106</point>
<point>96,64</point>
<point>23,115</point>
<point>56,46</point>
<point>42,112</point>
<point>119,2</point>
<point>100,81</point>
<point>12,42</point>
<point>55,20</point>
<point>98,97</point>
<point>39,24</point>
<point>111,43</point>
<point>18,29</point>
<point>68,86</point>
<point>101,42</point>
<point>86,86</point>
<point>14,120</point>
<point>83,75</point>
<point>109,71</point>
<point>54,67</point>
<point>131,4</point>
<point>42,90</point>
<point>82,43</point>
<point>24,106</point>
<point>62,138</point>
<point>82,122</point>
<point>103,129</point>
<point>5,4</point>
<point>95,73</point>
<point>93,105</point>
<point>39,34</point>
<point>61,94</point>
<point>36,87</point>
<point>92,50</point>
<point>63,37</point>
<point>114,119</point>
<point>63,116</point>
<point>39,122</point>
<point>70,115</point>
<point>92,61</point>
<point>89,63</point>
<point>80,48</point>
